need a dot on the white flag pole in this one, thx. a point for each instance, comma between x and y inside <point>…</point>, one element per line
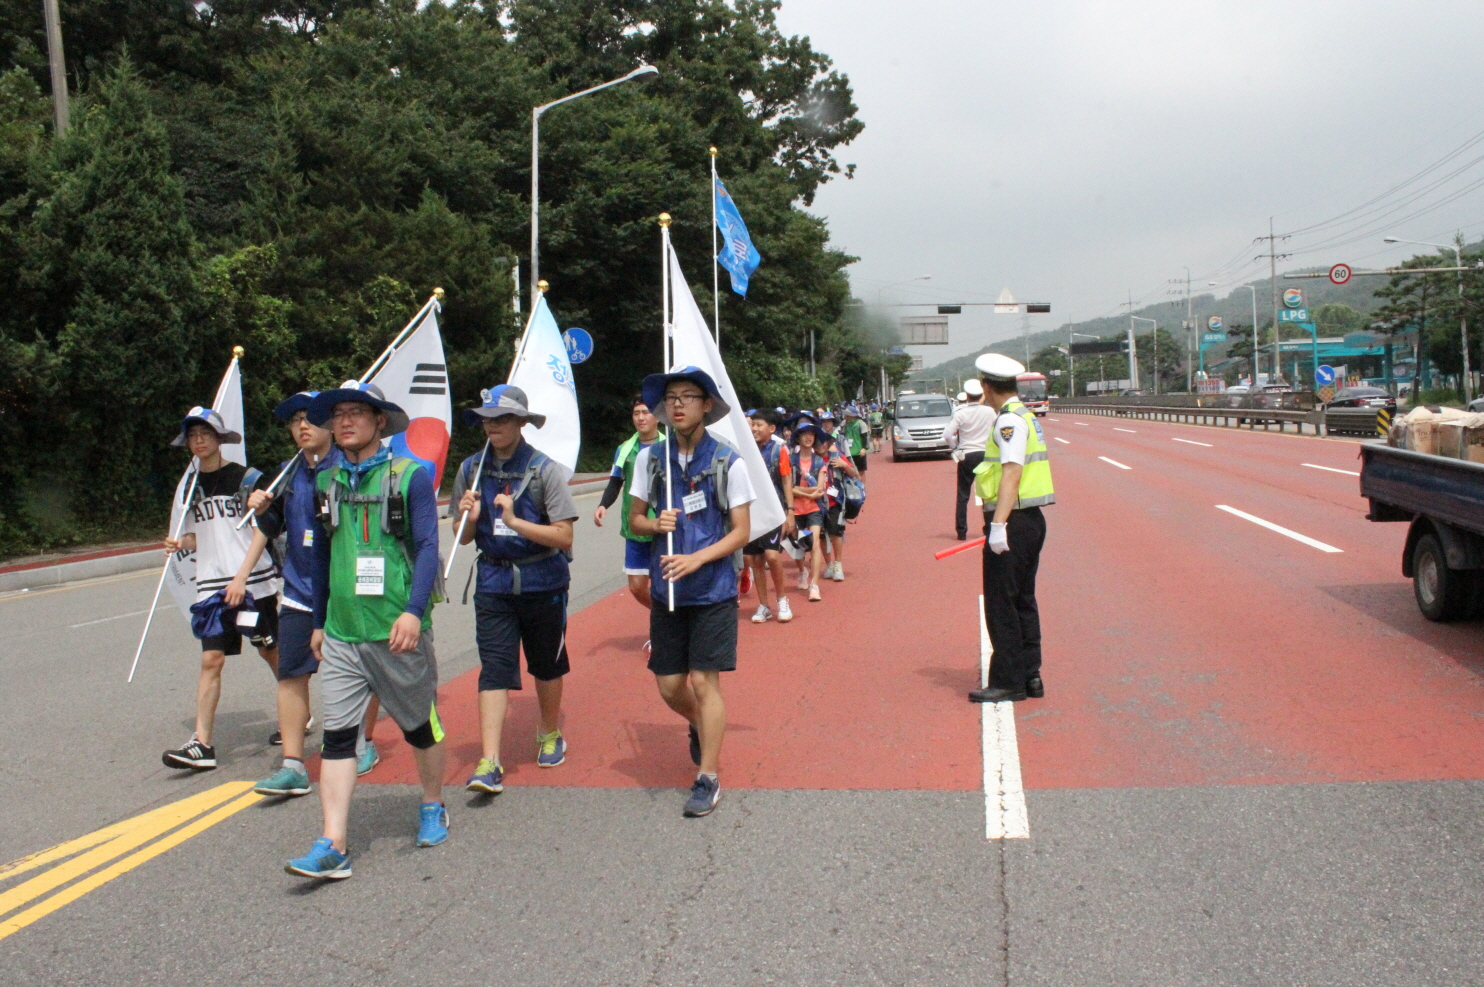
<point>520,348</point>
<point>715,258</point>
<point>288,468</point>
<point>665,314</point>
<point>195,469</point>
<point>386,354</point>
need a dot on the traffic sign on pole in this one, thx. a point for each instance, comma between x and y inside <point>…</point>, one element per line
<point>1340,273</point>
<point>579,344</point>
<point>1324,375</point>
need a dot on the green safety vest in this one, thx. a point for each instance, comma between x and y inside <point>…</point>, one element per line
<point>1035,475</point>
<point>627,454</point>
<point>358,533</point>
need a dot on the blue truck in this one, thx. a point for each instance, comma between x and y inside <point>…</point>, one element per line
<point>1442,499</point>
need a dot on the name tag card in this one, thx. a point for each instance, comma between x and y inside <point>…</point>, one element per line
<point>693,502</point>
<point>370,575</point>
<point>503,530</point>
<point>247,618</point>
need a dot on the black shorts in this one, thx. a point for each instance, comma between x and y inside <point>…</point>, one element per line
<point>860,462</point>
<point>876,431</point>
<point>504,622</point>
<point>693,639</point>
<point>834,521</point>
<point>295,657</point>
<point>771,542</point>
<point>811,520</point>
<point>264,635</point>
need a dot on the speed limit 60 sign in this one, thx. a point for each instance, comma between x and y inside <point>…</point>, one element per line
<point>1340,273</point>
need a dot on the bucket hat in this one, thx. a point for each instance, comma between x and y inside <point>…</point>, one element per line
<point>208,417</point>
<point>291,406</point>
<point>654,393</point>
<point>505,399</point>
<point>323,403</point>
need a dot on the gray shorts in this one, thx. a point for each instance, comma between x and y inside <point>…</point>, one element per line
<point>406,683</point>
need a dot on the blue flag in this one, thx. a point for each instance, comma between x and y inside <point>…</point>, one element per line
<point>737,255</point>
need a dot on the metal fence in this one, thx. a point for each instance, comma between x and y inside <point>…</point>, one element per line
<point>1229,410</point>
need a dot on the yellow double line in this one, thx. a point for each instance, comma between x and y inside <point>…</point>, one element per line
<point>118,846</point>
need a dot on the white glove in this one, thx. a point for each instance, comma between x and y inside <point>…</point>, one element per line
<point>999,541</point>
<point>958,455</point>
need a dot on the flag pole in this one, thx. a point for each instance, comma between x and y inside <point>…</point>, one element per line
<point>287,469</point>
<point>665,315</point>
<point>386,354</point>
<point>520,349</point>
<point>715,257</point>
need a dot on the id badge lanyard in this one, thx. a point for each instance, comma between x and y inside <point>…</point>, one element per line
<point>370,562</point>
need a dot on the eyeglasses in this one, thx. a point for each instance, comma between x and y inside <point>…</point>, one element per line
<point>684,398</point>
<point>351,414</point>
<point>297,417</point>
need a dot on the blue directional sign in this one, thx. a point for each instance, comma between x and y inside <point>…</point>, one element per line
<point>579,344</point>
<point>1324,375</point>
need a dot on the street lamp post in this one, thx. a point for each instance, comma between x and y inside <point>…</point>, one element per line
<point>643,71</point>
<point>1154,370</point>
<point>1072,362</point>
<point>1463,322</point>
<point>1252,289</point>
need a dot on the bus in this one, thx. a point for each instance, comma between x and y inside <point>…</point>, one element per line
<point>1032,389</point>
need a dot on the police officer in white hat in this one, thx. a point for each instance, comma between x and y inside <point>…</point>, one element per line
<point>1014,481</point>
<point>967,435</point>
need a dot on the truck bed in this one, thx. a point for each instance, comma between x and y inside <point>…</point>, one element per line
<point>1402,484</point>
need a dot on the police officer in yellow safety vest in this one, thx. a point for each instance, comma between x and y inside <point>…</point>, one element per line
<point>1014,481</point>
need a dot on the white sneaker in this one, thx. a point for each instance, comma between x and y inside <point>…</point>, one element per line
<point>785,612</point>
<point>803,579</point>
<point>839,575</point>
<point>763,615</point>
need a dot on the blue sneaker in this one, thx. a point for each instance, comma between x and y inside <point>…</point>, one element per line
<point>322,861</point>
<point>704,795</point>
<point>284,781</point>
<point>367,759</point>
<point>432,826</point>
<point>551,749</point>
<point>488,778</point>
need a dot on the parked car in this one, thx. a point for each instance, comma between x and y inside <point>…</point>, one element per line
<point>917,426</point>
<point>1237,389</point>
<point>1362,397</point>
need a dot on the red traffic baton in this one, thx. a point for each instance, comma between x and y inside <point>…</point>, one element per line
<point>961,547</point>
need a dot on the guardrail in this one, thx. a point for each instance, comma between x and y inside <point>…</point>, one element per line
<point>1347,421</point>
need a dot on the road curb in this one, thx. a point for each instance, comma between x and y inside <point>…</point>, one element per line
<point>116,562</point>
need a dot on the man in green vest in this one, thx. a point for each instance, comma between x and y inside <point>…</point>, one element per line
<point>620,480</point>
<point>1014,481</point>
<point>375,575</point>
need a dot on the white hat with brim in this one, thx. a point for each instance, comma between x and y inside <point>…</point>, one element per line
<point>998,367</point>
<point>506,399</point>
<point>208,417</point>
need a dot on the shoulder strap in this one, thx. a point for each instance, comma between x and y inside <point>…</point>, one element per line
<point>721,460</point>
<point>534,480</point>
<point>250,478</point>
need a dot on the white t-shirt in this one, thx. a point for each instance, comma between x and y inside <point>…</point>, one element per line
<point>1010,434</point>
<point>739,483</point>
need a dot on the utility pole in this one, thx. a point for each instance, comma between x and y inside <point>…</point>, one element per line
<point>1133,363</point>
<point>58,63</point>
<point>1189,335</point>
<point>1273,257</point>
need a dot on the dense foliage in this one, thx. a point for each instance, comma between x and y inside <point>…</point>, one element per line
<point>296,177</point>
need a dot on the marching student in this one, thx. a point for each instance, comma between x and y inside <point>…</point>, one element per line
<point>811,481</point>
<point>523,514</point>
<point>696,642</point>
<point>375,575</point>
<point>620,479</point>
<point>764,555</point>
<point>833,520</point>
<point>225,575</point>
<point>857,437</point>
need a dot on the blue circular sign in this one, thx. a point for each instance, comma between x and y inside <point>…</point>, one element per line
<point>579,344</point>
<point>1324,375</point>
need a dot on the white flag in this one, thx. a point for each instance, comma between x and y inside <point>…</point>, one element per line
<point>180,574</point>
<point>415,378</point>
<point>544,372</point>
<point>692,346</point>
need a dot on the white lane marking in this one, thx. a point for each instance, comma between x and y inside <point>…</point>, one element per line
<point>121,616</point>
<point>1128,430</point>
<point>1115,462</point>
<point>1311,542</point>
<point>1083,424</point>
<point>1331,469</point>
<point>1053,419</point>
<point>1192,442</point>
<point>1061,440</point>
<point>1005,815</point>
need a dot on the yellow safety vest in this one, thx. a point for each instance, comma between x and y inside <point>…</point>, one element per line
<point>1035,475</point>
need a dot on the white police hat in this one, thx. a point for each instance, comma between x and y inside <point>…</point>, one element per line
<point>973,388</point>
<point>998,367</point>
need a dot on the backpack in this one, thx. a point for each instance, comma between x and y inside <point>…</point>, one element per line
<point>720,462</point>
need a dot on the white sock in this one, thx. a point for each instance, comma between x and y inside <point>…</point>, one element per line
<point>294,763</point>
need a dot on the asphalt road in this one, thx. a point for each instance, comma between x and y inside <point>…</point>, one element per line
<point>1256,764</point>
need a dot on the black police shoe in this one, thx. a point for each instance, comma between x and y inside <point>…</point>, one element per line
<point>996,695</point>
<point>1035,689</point>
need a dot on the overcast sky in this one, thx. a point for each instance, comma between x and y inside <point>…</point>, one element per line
<point>1074,151</point>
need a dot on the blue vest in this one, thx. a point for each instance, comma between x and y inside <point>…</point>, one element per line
<point>716,581</point>
<point>301,527</point>
<point>509,564</point>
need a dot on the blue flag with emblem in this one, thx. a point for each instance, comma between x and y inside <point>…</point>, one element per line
<point>737,253</point>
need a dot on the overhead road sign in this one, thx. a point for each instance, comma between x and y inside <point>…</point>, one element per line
<point>1099,346</point>
<point>950,309</point>
<point>1345,272</point>
<point>924,330</point>
<point>1037,308</point>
